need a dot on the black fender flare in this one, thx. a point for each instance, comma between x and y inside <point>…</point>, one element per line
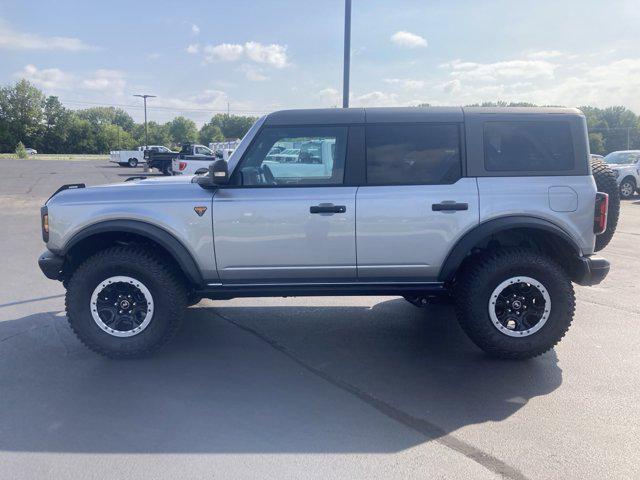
<point>168,241</point>
<point>491,227</point>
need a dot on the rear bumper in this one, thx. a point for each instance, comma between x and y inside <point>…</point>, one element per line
<point>591,270</point>
<point>51,265</point>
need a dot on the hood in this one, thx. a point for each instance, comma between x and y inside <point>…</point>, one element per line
<point>150,189</point>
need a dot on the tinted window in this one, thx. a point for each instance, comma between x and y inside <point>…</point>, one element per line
<point>413,154</point>
<point>528,146</point>
<point>296,156</point>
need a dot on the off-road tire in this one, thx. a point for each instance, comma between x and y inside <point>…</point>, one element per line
<point>606,183</point>
<point>164,283</point>
<point>481,275</point>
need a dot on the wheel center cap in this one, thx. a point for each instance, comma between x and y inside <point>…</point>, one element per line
<point>517,304</point>
<point>124,304</point>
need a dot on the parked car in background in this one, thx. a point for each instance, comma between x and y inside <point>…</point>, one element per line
<point>31,151</point>
<point>626,167</point>
<point>131,158</point>
<point>195,159</point>
<point>163,161</point>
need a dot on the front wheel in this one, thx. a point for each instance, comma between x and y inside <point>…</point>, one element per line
<point>627,188</point>
<point>124,302</point>
<point>514,303</point>
<point>133,162</point>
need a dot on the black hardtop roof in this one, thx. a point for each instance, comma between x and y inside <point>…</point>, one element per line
<point>344,116</point>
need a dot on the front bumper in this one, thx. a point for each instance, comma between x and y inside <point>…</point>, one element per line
<point>591,270</point>
<point>51,265</point>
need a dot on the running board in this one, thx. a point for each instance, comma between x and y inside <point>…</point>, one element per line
<point>226,291</point>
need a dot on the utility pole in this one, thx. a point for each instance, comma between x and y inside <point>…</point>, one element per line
<point>628,138</point>
<point>347,53</point>
<point>146,136</point>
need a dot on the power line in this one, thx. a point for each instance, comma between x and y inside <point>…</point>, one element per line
<point>163,107</point>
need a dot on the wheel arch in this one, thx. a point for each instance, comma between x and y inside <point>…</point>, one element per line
<point>109,232</point>
<point>538,231</point>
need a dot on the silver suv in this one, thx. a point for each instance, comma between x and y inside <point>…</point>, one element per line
<point>495,209</point>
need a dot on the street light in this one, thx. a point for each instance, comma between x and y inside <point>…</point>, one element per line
<point>146,138</point>
<point>347,53</point>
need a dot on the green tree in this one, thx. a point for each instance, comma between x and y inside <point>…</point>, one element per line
<point>21,152</point>
<point>596,143</point>
<point>108,115</point>
<point>233,126</point>
<point>158,134</point>
<point>55,127</point>
<point>182,129</point>
<point>21,108</point>
<point>210,133</point>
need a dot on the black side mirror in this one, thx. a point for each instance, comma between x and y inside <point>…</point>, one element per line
<point>218,175</point>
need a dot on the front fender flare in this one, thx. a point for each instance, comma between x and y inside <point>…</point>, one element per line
<point>167,240</point>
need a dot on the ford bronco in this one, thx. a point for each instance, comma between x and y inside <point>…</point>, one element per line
<point>495,209</point>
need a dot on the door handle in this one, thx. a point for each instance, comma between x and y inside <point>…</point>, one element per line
<point>449,206</point>
<point>327,208</point>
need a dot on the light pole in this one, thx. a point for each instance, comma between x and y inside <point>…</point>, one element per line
<point>347,53</point>
<point>146,137</point>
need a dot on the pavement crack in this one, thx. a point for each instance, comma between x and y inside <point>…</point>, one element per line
<point>427,429</point>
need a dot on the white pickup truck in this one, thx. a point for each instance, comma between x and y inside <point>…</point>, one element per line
<point>131,158</point>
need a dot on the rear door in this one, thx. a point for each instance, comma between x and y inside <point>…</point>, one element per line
<point>288,219</point>
<point>416,203</point>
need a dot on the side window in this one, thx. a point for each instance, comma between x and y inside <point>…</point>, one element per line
<point>528,146</point>
<point>413,154</point>
<point>202,151</point>
<point>295,156</point>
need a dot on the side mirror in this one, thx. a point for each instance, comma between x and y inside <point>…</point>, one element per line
<point>218,175</point>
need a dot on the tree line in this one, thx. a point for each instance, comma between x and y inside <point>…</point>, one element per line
<point>43,123</point>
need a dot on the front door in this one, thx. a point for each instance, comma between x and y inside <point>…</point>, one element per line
<point>287,216</point>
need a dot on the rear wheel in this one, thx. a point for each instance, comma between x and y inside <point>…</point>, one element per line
<point>133,162</point>
<point>124,302</point>
<point>606,183</point>
<point>514,303</point>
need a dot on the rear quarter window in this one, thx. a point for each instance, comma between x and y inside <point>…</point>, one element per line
<point>528,147</point>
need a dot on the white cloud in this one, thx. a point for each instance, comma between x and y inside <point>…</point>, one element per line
<point>252,73</point>
<point>154,56</point>
<point>490,72</point>
<point>193,48</point>
<point>375,99</point>
<point>12,40</point>
<point>226,52</point>
<point>452,86</point>
<point>195,29</point>
<point>408,39</point>
<point>406,83</point>
<point>274,55</point>
<point>48,78</point>
<point>542,54</point>
<point>111,81</point>
<point>330,97</point>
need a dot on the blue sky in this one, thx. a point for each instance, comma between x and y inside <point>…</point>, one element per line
<point>265,55</point>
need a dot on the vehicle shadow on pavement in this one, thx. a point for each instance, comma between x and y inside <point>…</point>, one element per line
<point>261,379</point>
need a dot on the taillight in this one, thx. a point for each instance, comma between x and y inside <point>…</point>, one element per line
<point>602,210</point>
<point>182,166</point>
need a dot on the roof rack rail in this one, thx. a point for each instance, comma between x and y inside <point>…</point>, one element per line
<point>138,177</point>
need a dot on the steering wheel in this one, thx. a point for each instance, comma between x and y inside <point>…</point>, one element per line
<point>268,175</point>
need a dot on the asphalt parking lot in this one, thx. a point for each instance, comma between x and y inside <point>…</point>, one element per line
<point>345,387</point>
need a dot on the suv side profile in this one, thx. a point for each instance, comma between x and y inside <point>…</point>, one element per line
<point>494,208</point>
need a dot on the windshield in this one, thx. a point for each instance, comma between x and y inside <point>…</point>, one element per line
<point>622,158</point>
